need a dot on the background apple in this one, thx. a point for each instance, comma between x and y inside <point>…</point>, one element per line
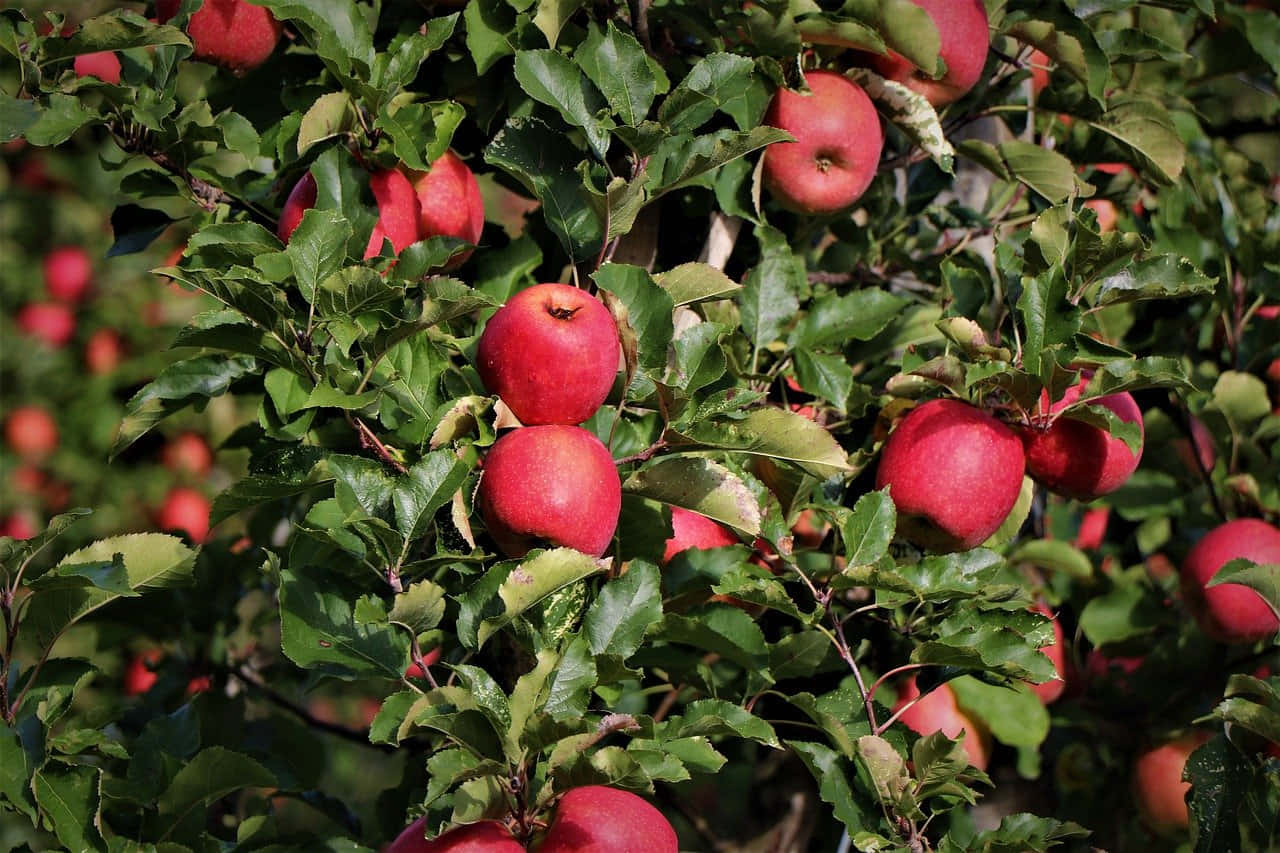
<point>1158,787</point>
<point>20,524</point>
<point>693,530</point>
<point>186,510</point>
<point>451,204</point>
<point>962,26</point>
<point>103,351</point>
<point>1093,528</point>
<point>487,836</point>
<point>301,199</point>
<point>31,432</point>
<point>139,676</point>
<point>954,473</point>
<point>103,64</point>
<point>938,712</point>
<point>550,485</point>
<point>188,452</point>
<point>67,273</point>
<point>598,819</point>
<point>837,147</point>
<point>1105,210</point>
<point>1050,691</point>
<point>51,322</point>
<point>232,33</point>
<point>1231,613</point>
<point>551,354</point>
<point>431,658</point>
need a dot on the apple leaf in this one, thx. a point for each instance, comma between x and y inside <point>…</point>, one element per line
<point>1262,578</point>
<point>698,484</point>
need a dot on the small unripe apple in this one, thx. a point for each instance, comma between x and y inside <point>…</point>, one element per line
<point>954,472</point>
<point>837,148</point>
<point>598,819</point>
<point>51,322</point>
<point>1093,528</point>
<point>551,354</point>
<point>1076,459</point>
<point>487,836</point>
<point>138,674</point>
<point>938,712</point>
<point>1050,691</point>
<point>693,530</point>
<point>188,452</point>
<point>232,33</point>
<point>550,486</point>
<point>451,203</point>
<point>1231,613</point>
<point>31,432</point>
<point>67,273</point>
<point>103,351</point>
<point>103,64</point>
<point>1158,787</point>
<point>185,510</point>
<point>962,26</point>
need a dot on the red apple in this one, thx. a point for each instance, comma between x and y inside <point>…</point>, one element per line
<point>198,684</point>
<point>1158,786</point>
<point>397,210</point>
<point>598,819</point>
<point>138,674</point>
<point>938,712</point>
<point>837,148</point>
<point>185,510</point>
<point>954,472</point>
<point>31,432</point>
<point>1050,691</point>
<point>103,351</point>
<point>550,486</point>
<point>1106,213</point>
<point>962,26</point>
<point>1040,63</point>
<point>301,199</point>
<point>1093,528</point>
<point>551,354</point>
<point>1078,460</point>
<point>20,524</point>
<point>1268,312</point>
<point>487,836</point>
<point>431,658</point>
<point>51,322</point>
<point>1231,613</point>
<point>1273,371</point>
<point>451,204</point>
<point>67,273</point>
<point>104,65</point>
<point>188,452</point>
<point>1198,450</point>
<point>694,530</point>
<point>232,33</point>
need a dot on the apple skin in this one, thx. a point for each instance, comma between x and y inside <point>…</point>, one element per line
<point>301,199</point>
<point>103,351</point>
<point>67,273</point>
<point>1078,460</point>
<point>1158,787</point>
<point>188,452</point>
<point>1198,449</point>
<point>103,64</point>
<point>1231,613</point>
<point>553,485</point>
<point>31,432</point>
<point>431,658</point>
<point>837,147</point>
<point>487,836</point>
<point>551,354</point>
<point>938,712</point>
<point>598,819</point>
<point>962,25</point>
<point>1050,691</point>
<point>1093,528</point>
<point>138,675</point>
<point>451,204</point>
<point>954,472</point>
<point>397,210</point>
<point>186,510</point>
<point>20,524</point>
<point>51,322</point>
<point>693,530</point>
<point>1106,213</point>
<point>231,33</point>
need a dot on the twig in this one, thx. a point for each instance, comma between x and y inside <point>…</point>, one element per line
<point>303,714</point>
<point>648,453</point>
<point>640,22</point>
<point>369,441</point>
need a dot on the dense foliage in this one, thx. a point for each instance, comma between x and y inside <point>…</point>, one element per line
<point>347,649</point>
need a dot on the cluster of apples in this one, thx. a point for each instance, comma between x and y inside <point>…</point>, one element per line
<point>836,128</point>
<point>590,819</point>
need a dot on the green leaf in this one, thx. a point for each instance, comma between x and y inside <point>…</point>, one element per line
<point>776,433</point>
<point>179,385</point>
<point>1065,38</point>
<point>1050,320</point>
<point>1145,129</point>
<point>696,282</point>
<point>69,797</point>
<point>1020,832</point>
<point>15,773</point>
<point>833,319</point>
<point>1161,277</point>
<point>868,530</point>
<point>1047,172</point>
<point>829,377</point>
<point>571,682</point>
<point>714,717</point>
<point>711,83</point>
<point>911,113</point>
<point>1219,775</point>
<point>317,248</point>
<point>698,357</point>
<point>121,30</point>
<point>616,63</point>
<point>833,784</point>
<point>107,575</point>
<point>552,15</point>
<point>426,488</point>
<point>489,25</point>
<point>623,611</point>
<point>552,79</point>
<point>682,160</point>
<point>722,629</point>
<point>64,115</point>
<point>769,300</point>
<point>1241,397</point>
<point>332,114</point>
<point>17,115</point>
<point>644,314</point>
<point>1055,555</point>
<point>420,131</point>
<point>420,607</point>
<point>1133,374</point>
<point>336,29</point>
<point>1125,611</point>
<point>1014,715</point>
<point>698,484</point>
<point>209,776</point>
<point>318,630</point>
<point>1264,579</point>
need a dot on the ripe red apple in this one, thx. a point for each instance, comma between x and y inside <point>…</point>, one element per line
<point>198,684</point>
<point>104,65</point>
<point>551,354</point>
<point>231,33</point>
<point>188,452</point>
<point>103,351</point>
<point>693,530</point>
<point>431,658</point>
<point>1106,213</point>
<point>954,472</point>
<point>1198,450</point>
<point>1273,371</point>
<point>67,273</point>
<point>185,510</point>
<point>1050,691</point>
<point>451,204</point>
<point>1231,613</point>
<point>31,432</point>
<point>301,199</point>
<point>1078,460</point>
<point>550,485</point>
<point>487,836</point>
<point>1040,63</point>
<point>1158,787</point>
<point>1268,312</point>
<point>398,210</point>
<point>598,819</point>
<point>138,674</point>
<point>837,147</point>
<point>962,25</point>
<point>20,524</point>
<point>1093,528</point>
<point>938,712</point>
<point>51,322</point>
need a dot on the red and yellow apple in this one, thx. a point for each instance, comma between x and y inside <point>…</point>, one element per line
<point>598,819</point>
<point>1231,613</point>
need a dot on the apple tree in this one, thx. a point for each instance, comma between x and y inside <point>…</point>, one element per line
<point>781,425</point>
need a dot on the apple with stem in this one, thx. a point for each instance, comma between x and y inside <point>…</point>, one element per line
<point>599,819</point>
<point>450,201</point>
<point>550,485</point>
<point>487,836</point>
<point>938,712</point>
<point>1158,788</point>
<point>837,148</point>
<point>68,273</point>
<point>1231,613</point>
<point>954,472</point>
<point>31,432</point>
<point>235,34</point>
<point>551,354</point>
<point>962,28</point>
